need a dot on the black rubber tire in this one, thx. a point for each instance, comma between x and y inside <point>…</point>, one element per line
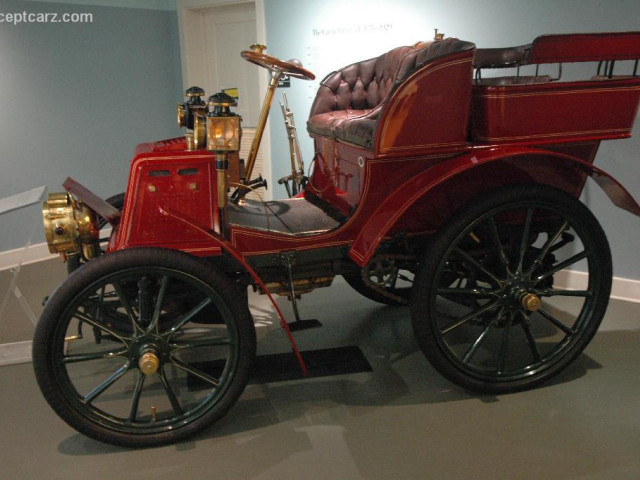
<point>53,357</point>
<point>467,348</point>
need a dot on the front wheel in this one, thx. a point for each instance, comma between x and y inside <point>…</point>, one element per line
<point>487,309</point>
<point>144,347</point>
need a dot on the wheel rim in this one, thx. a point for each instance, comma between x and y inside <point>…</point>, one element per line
<point>145,350</point>
<point>495,312</point>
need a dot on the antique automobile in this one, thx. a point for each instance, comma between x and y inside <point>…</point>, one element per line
<point>445,178</point>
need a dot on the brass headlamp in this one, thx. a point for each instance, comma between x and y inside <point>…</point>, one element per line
<point>223,137</point>
<point>223,126</point>
<point>70,227</point>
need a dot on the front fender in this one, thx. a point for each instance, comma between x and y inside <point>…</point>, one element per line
<point>540,166</point>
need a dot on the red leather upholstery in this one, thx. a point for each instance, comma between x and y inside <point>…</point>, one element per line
<point>349,101</point>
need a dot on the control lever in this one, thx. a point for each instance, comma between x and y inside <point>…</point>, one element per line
<point>254,184</point>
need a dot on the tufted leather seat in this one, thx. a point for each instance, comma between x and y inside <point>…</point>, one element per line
<point>349,101</point>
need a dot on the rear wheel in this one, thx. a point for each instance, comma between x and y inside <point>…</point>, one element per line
<point>486,310</point>
<point>144,347</point>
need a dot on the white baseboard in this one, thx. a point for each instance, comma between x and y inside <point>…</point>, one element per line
<point>14,353</point>
<point>625,289</point>
<point>25,256</point>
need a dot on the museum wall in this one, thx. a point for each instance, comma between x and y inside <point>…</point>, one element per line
<point>77,98</point>
<point>329,34</point>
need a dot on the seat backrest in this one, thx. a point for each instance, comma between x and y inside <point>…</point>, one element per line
<point>366,84</point>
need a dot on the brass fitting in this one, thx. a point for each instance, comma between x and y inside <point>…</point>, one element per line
<point>531,302</point>
<point>149,363</point>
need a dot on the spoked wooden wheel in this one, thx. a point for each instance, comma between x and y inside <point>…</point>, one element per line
<point>144,347</point>
<point>486,309</point>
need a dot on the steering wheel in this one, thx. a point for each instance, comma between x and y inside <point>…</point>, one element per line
<point>292,68</point>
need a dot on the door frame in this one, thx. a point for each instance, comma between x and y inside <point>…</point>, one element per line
<point>191,27</point>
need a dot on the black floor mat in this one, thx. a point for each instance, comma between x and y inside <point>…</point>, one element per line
<point>295,216</point>
<point>281,367</point>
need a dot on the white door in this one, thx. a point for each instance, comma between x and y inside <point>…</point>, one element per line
<point>228,31</point>
<point>212,35</point>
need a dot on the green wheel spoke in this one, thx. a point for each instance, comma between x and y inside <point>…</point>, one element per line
<point>106,309</point>
<point>552,292</point>
<point>135,399</point>
<point>476,344</point>
<point>100,389</point>
<point>469,317</point>
<point>503,350</point>
<point>473,292</point>
<point>86,357</point>
<point>524,241</point>
<point>194,371</point>
<point>173,400</point>
<point>547,246</point>
<point>531,339</point>
<point>562,265</point>
<point>201,342</point>
<point>187,318</point>
<point>164,285</point>
<point>568,331</point>
<point>405,278</point>
<point>498,249</point>
<point>124,301</point>
<point>145,301</point>
<point>94,323</point>
<point>474,263</point>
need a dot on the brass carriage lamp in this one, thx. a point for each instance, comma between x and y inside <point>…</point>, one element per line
<point>189,114</point>
<point>194,105</point>
<point>223,138</point>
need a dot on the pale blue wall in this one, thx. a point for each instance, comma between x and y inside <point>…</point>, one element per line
<point>488,23</point>
<point>77,98</point>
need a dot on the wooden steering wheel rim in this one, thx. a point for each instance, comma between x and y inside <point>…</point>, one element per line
<point>273,63</point>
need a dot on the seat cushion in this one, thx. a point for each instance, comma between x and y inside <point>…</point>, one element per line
<point>359,130</point>
<point>324,124</point>
<point>349,101</point>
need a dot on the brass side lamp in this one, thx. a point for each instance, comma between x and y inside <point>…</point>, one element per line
<point>190,115</point>
<point>223,137</point>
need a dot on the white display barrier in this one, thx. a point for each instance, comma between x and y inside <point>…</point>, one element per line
<point>18,352</point>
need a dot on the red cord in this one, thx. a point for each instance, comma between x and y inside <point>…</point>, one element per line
<point>225,245</point>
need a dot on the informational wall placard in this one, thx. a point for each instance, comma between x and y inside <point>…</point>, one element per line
<point>334,46</point>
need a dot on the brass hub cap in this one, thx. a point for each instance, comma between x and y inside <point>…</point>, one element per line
<point>149,363</point>
<point>531,302</point>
